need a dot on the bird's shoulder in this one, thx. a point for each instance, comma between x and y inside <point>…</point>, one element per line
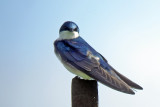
<point>72,44</point>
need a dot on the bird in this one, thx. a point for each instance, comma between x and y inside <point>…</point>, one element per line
<point>81,59</point>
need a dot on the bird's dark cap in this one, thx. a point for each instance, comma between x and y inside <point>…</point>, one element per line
<point>69,26</point>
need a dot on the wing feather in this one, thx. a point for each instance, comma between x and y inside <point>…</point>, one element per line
<point>78,57</point>
<point>124,78</point>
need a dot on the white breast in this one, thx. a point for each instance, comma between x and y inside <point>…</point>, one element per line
<point>74,70</point>
<point>68,35</point>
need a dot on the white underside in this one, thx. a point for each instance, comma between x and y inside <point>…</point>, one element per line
<point>73,70</point>
<point>68,35</point>
<point>71,35</point>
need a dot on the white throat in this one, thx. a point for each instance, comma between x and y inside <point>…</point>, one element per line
<point>68,35</point>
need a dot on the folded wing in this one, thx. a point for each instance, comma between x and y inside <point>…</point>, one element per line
<point>82,59</point>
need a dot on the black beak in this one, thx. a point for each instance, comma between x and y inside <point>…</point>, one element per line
<point>71,30</point>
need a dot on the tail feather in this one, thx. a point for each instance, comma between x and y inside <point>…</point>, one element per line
<point>127,81</point>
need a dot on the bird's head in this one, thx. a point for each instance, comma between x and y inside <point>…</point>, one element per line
<point>69,30</point>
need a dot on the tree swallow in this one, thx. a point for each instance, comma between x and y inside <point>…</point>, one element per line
<point>81,59</point>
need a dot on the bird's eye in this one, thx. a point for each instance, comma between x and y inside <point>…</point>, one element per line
<point>75,29</point>
<point>66,28</point>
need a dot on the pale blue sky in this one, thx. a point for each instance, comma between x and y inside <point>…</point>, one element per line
<point>125,32</point>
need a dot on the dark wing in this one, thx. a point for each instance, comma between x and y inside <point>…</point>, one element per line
<point>125,79</point>
<point>81,57</point>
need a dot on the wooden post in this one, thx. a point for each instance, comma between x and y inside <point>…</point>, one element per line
<point>84,93</point>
